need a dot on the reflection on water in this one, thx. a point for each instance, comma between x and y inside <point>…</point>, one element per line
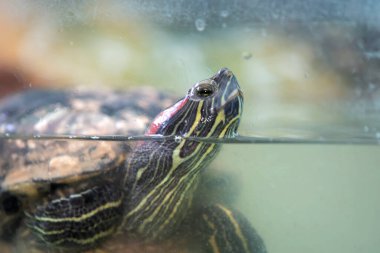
<point>267,136</point>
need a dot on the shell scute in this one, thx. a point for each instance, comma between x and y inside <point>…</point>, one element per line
<point>75,113</point>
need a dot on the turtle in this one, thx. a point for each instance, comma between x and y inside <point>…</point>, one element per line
<point>62,195</point>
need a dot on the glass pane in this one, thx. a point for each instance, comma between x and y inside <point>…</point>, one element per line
<point>309,72</point>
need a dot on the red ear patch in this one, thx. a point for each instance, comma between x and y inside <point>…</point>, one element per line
<point>164,116</point>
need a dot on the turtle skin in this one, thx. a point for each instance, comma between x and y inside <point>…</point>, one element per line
<point>33,173</point>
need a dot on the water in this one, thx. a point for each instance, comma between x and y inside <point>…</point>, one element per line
<point>304,170</point>
<point>308,198</point>
<point>299,197</point>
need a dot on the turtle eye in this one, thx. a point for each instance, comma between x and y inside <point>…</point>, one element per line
<point>205,89</point>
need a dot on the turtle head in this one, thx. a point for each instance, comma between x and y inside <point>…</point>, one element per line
<point>168,170</point>
<point>211,108</point>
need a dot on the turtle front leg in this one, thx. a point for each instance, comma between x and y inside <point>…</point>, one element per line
<point>78,221</point>
<point>224,230</point>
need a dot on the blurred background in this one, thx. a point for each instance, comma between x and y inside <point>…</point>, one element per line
<point>307,68</point>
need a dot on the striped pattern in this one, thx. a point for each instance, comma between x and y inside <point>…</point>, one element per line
<point>225,230</point>
<point>162,176</point>
<point>79,220</point>
<point>161,197</point>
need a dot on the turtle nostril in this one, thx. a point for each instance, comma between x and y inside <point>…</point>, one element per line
<point>10,204</point>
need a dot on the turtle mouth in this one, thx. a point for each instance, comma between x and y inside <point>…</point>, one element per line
<point>233,101</point>
<point>235,94</point>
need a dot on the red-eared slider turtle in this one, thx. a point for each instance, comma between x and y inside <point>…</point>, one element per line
<point>66,196</point>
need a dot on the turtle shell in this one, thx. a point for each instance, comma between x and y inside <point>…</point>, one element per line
<point>30,168</point>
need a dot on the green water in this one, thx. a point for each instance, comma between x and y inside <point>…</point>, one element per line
<point>308,198</point>
<point>303,198</point>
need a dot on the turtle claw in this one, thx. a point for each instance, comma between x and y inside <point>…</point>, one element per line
<point>224,230</point>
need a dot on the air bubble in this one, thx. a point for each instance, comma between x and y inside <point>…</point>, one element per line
<point>371,86</point>
<point>177,139</point>
<point>224,13</point>
<point>200,24</point>
<point>247,55</point>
